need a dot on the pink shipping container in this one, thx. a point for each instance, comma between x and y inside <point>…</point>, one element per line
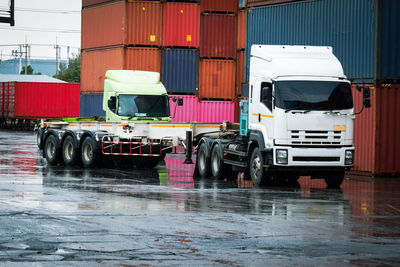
<point>218,36</point>
<point>185,113</point>
<point>229,6</point>
<point>216,111</point>
<point>181,25</point>
<point>36,100</point>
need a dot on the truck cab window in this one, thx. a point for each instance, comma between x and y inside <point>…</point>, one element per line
<point>266,95</point>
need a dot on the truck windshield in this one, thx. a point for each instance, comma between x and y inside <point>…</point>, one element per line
<point>143,106</point>
<point>313,95</point>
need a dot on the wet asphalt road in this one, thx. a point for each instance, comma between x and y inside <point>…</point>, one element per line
<point>53,216</point>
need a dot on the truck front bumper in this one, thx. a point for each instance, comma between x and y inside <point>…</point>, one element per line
<point>313,157</point>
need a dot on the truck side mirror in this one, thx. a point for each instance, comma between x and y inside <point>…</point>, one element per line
<point>180,101</point>
<point>366,96</point>
<point>112,104</point>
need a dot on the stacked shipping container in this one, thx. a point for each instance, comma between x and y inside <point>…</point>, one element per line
<point>167,38</point>
<point>364,35</point>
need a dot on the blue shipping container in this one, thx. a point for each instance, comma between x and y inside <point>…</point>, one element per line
<point>347,26</point>
<point>180,69</point>
<point>92,105</point>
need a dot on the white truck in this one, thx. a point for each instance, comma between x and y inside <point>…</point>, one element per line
<point>297,120</point>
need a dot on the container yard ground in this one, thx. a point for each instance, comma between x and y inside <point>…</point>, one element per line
<point>55,216</point>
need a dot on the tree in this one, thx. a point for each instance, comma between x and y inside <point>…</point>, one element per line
<point>29,71</point>
<point>71,74</point>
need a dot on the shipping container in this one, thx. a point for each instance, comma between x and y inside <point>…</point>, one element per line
<point>377,131</point>
<point>227,6</point>
<point>103,25</point>
<point>253,3</point>
<point>364,42</point>
<point>242,3</point>
<point>217,79</point>
<point>239,72</point>
<point>241,33</point>
<point>218,36</point>
<point>92,106</point>
<point>143,58</point>
<point>87,3</point>
<point>181,24</point>
<point>144,23</point>
<point>180,70</point>
<point>51,100</point>
<point>387,125</point>
<point>188,112</point>
<point>217,111</point>
<point>96,63</point>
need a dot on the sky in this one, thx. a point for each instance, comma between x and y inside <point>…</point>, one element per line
<point>42,23</point>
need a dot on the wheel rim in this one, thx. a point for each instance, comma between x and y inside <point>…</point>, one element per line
<point>51,149</point>
<point>39,139</point>
<point>69,151</point>
<point>215,162</point>
<point>256,166</point>
<point>88,152</point>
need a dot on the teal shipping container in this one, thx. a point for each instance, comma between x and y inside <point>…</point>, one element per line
<point>363,33</point>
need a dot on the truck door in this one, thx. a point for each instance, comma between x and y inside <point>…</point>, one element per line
<point>261,107</point>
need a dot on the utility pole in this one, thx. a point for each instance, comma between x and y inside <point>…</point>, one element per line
<point>57,47</point>
<point>16,53</point>
<point>26,56</point>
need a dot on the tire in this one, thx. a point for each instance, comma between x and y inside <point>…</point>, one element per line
<point>257,172</point>
<point>203,161</point>
<point>89,153</point>
<point>147,162</point>
<point>39,138</point>
<point>69,152</point>
<point>52,150</point>
<point>335,179</point>
<point>217,162</point>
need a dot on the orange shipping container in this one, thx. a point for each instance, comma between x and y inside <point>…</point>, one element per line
<point>103,25</point>
<point>144,23</point>
<point>239,72</point>
<point>217,79</point>
<point>241,35</point>
<point>96,63</point>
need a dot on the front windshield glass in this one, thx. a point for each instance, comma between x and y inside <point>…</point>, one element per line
<point>313,95</point>
<point>143,106</point>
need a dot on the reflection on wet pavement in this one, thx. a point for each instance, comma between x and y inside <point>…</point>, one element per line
<point>164,217</point>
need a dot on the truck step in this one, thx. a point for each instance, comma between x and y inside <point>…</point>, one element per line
<point>235,163</point>
<point>236,153</point>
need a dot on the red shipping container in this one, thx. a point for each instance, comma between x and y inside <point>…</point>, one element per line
<point>216,111</point>
<point>218,36</point>
<point>36,100</point>
<point>229,6</point>
<point>186,113</point>
<point>217,79</point>
<point>181,25</point>
<point>103,25</point>
<point>144,23</point>
<point>241,35</point>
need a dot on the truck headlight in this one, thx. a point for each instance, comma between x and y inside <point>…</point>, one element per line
<point>349,157</point>
<point>282,156</point>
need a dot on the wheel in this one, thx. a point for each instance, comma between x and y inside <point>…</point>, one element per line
<point>39,138</point>
<point>217,162</point>
<point>70,152</point>
<point>335,179</point>
<point>257,172</point>
<point>147,162</point>
<point>90,154</point>
<point>52,150</point>
<point>203,161</point>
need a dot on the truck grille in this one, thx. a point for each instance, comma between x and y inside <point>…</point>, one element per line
<point>299,137</point>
